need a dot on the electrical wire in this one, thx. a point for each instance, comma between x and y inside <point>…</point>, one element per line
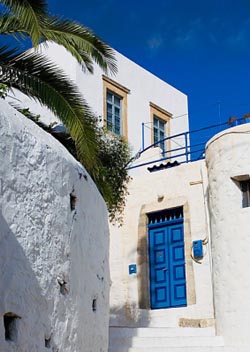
<point>225,133</point>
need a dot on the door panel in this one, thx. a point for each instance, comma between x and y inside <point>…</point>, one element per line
<point>158,274</point>
<point>177,266</point>
<point>167,265</point>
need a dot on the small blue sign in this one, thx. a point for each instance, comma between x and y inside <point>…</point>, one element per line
<point>132,269</point>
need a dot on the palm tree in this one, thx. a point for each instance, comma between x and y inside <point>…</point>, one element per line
<point>30,18</point>
<point>39,78</point>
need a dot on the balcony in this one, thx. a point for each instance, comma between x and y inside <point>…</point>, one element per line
<point>182,148</point>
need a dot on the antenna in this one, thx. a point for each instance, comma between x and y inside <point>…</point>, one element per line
<point>219,110</point>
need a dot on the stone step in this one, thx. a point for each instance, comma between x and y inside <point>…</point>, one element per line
<point>159,342</point>
<point>174,349</point>
<point>182,349</point>
<point>117,332</point>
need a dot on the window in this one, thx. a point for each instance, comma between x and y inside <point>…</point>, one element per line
<point>114,116</point>
<point>159,132</point>
<point>160,126</point>
<point>243,184</point>
<point>115,106</point>
<point>10,326</point>
<point>245,189</point>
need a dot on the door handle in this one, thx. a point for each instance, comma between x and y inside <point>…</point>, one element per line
<point>164,269</point>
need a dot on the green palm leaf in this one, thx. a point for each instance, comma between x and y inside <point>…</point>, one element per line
<point>40,79</point>
<point>77,39</point>
<point>80,42</point>
<point>9,24</point>
<point>30,14</point>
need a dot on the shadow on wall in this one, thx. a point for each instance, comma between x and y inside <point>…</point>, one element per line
<point>23,309</point>
<point>139,255</point>
<point>124,323</point>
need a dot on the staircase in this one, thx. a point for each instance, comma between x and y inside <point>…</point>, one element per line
<point>164,340</point>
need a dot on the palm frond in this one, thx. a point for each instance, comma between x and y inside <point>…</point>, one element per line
<point>30,18</point>
<point>81,42</point>
<point>30,14</point>
<point>10,25</point>
<point>82,57</point>
<point>40,79</point>
<point>7,54</point>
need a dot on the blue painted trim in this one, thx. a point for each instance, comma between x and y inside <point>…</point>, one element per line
<point>186,146</point>
<point>143,127</point>
<point>166,158</point>
<point>188,151</point>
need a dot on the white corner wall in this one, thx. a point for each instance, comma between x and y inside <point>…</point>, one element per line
<point>53,261</point>
<point>144,88</point>
<point>228,155</point>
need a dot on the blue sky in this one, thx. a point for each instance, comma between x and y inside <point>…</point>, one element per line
<point>200,47</point>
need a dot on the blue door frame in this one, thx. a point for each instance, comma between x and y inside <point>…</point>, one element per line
<point>167,264</point>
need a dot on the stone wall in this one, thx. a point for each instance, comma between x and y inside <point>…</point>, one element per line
<point>54,245</point>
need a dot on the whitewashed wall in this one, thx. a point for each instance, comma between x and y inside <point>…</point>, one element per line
<point>228,155</point>
<point>43,241</point>
<point>144,88</point>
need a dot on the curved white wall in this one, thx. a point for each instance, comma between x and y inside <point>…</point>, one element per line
<point>42,241</point>
<point>228,155</point>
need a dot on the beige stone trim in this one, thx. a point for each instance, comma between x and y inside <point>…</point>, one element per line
<point>142,250</point>
<point>193,183</point>
<point>196,323</point>
<point>160,110</point>
<point>240,178</point>
<point>163,115</point>
<point>143,261</point>
<point>121,91</point>
<point>116,84</point>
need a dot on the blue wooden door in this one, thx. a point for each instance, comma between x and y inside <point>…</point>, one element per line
<point>167,264</point>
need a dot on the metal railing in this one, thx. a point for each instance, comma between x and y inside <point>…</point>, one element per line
<point>192,147</point>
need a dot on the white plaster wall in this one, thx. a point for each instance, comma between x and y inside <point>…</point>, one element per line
<point>228,155</point>
<point>174,185</point>
<point>144,88</point>
<point>42,241</point>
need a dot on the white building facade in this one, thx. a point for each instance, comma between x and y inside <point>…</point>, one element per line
<point>125,101</point>
<point>175,299</point>
<point>179,263</point>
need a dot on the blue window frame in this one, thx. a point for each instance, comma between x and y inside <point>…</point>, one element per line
<point>114,113</point>
<point>159,132</point>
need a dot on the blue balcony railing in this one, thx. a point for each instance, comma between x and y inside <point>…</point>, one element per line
<point>191,147</point>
